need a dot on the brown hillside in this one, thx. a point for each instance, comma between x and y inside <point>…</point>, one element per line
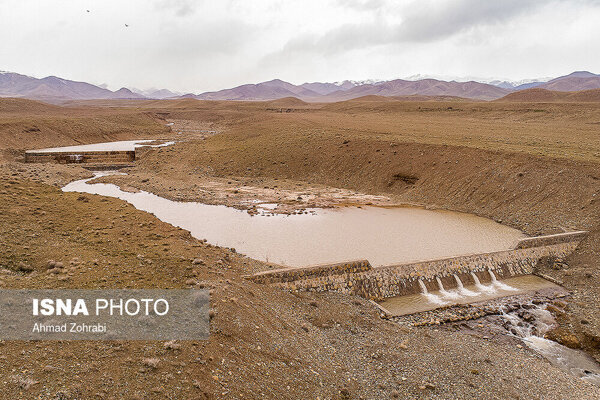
<point>287,102</point>
<point>417,97</point>
<point>573,83</point>
<point>371,98</point>
<point>28,124</point>
<point>13,105</point>
<point>425,87</point>
<point>544,95</point>
<point>531,167</point>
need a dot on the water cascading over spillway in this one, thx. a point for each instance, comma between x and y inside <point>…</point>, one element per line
<point>430,296</point>
<point>461,288</point>
<point>444,292</point>
<point>499,284</point>
<point>423,287</point>
<point>480,287</point>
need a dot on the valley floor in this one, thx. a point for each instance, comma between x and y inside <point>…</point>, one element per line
<point>267,343</point>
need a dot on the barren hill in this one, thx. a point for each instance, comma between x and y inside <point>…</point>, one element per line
<point>427,87</point>
<point>578,80</point>
<point>53,88</point>
<point>545,95</point>
<point>573,84</point>
<point>372,98</point>
<point>324,88</point>
<point>287,102</point>
<point>14,105</point>
<point>30,124</point>
<point>271,90</point>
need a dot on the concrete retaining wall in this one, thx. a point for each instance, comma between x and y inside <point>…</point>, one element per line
<point>550,239</point>
<point>290,275</point>
<point>97,157</point>
<point>360,278</point>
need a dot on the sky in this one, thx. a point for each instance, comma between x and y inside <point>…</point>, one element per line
<point>196,45</point>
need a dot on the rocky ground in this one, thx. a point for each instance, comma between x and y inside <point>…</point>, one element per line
<point>281,196</point>
<point>267,343</point>
<point>282,344</point>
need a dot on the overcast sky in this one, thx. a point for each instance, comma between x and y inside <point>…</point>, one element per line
<point>196,45</point>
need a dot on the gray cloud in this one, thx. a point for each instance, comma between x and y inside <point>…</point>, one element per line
<point>426,20</point>
<point>181,8</point>
<point>362,5</point>
<point>421,21</point>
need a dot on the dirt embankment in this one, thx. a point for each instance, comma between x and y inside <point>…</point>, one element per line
<point>27,124</point>
<point>264,343</point>
<point>537,194</point>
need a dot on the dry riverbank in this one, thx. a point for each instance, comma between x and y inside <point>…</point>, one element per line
<point>283,345</point>
<point>539,194</point>
<point>487,159</point>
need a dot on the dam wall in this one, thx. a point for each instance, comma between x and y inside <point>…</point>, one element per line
<point>550,239</point>
<point>89,157</point>
<point>376,283</point>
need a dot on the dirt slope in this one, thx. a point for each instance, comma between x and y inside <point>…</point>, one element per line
<point>264,343</point>
<point>336,146</point>
<point>28,124</point>
<point>536,170</point>
<point>544,95</point>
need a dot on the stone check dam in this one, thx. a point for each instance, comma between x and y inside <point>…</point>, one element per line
<point>437,257</point>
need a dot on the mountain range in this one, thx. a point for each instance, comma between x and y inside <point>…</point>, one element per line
<point>54,89</point>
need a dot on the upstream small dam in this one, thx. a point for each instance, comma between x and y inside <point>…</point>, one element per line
<point>98,156</point>
<point>440,282</point>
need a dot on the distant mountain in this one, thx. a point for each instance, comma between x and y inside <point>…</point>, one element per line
<point>529,85</point>
<point>328,92</point>
<point>519,85</point>
<point>53,88</point>
<point>579,80</point>
<point>270,90</point>
<point>125,93</point>
<point>426,87</point>
<point>327,88</point>
<point>578,74</point>
<point>156,93</point>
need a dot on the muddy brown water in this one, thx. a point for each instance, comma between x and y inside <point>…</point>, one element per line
<point>381,235</point>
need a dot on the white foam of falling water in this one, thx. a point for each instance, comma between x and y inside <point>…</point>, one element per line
<point>480,287</point>
<point>499,284</point>
<point>430,296</point>
<point>444,292</point>
<point>461,288</point>
<point>423,287</point>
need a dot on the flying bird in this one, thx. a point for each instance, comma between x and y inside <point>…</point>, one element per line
<point>126,26</point>
<point>87,10</point>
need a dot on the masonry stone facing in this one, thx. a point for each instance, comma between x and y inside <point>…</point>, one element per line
<point>377,283</point>
<point>538,241</point>
<point>88,157</point>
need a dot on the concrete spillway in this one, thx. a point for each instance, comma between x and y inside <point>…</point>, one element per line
<point>113,153</point>
<point>414,287</point>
